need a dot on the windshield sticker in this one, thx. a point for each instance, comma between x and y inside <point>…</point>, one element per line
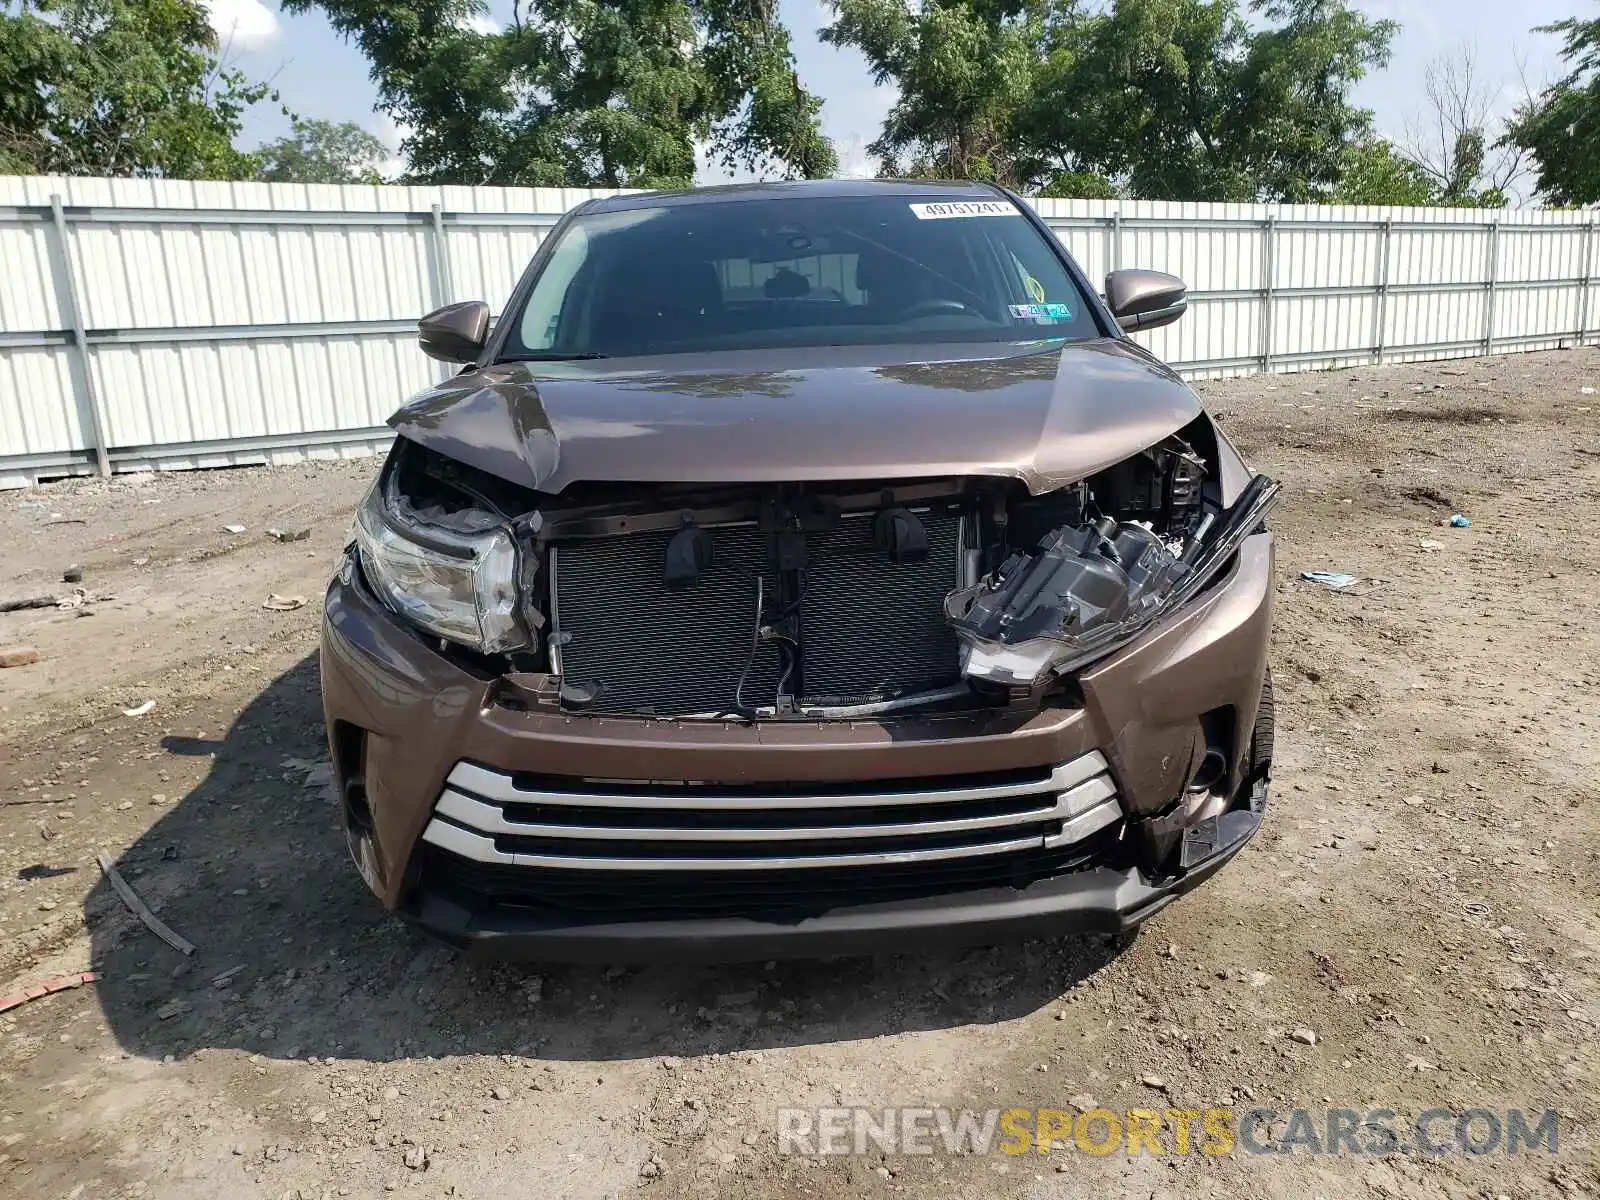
<point>1041,312</point>
<point>940,210</point>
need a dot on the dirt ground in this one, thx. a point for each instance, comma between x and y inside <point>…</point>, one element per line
<point>1423,896</point>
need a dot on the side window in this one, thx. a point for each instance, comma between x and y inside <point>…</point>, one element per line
<point>541,319</point>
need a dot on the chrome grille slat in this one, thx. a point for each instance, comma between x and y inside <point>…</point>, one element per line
<point>492,819</point>
<point>476,846</point>
<point>497,786</point>
<point>481,816</point>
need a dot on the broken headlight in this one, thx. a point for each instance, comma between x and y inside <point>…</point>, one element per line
<point>1087,589</point>
<point>459,584</point>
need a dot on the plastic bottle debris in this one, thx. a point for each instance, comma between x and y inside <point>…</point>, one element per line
<point>139,710</point>
<point>1460,522</point>
<point>1331,579</point>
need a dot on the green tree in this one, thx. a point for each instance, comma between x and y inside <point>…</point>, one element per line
<point>118,87</point>
<point>322,152</point>
<point>964,69</point>
<point>1374,172</point>
<point>610,93</point>
<point>1186,101</point>
<point>1561,127</point>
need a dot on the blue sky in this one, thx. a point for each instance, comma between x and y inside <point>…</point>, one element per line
<point>318,75</point>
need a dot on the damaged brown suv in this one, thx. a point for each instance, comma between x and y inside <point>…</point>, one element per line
<point>800,569</point>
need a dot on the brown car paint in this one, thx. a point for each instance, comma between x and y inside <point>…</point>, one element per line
<point>1045,413</point>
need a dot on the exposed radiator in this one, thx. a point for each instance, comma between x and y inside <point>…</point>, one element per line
<point>651,650</point>
<point>871,628</point>
<point>870,624</point>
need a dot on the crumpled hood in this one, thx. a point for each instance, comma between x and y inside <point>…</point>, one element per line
<point>1045,413</point>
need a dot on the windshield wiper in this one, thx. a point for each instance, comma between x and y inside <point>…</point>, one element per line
<point>550,356</point>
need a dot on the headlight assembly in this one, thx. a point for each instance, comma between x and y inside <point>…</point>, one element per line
<point>463,587</point>
<point>1089,589</point>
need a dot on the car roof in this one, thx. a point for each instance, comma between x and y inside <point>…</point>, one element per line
<point>929,189</point>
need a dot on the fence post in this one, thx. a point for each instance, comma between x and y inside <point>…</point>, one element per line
<point>1494,274</point>
<point>85,390</point>
<point>1586,275</point>
<point>441,263</point>
<point>1270,235</point>
<point>1380,319</point>
<point>1115,257</point>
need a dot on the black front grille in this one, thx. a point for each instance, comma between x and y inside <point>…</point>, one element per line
<point>870,628</point>
<point>783,895</point>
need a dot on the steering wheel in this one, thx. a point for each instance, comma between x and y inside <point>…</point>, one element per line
<point>932,308</point>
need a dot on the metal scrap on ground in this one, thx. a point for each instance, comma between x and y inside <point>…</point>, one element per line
<point>142,910</point>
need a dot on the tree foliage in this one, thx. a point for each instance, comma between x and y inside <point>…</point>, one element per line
<point>322,152</point>
<point>118,87</point>
<point>1373,171</point>
<point>610,93</point>
<point>1169,99</point>
<point>1561,127</point>
<point>964,69</point>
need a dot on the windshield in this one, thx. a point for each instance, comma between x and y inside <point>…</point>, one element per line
<point>796,271</point>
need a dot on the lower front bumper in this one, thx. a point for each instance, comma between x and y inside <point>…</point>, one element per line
<point>1097,900</point>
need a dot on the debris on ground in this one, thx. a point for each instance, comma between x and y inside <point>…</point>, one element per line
<point>28,602</point>
<point>289,535</point>
<point>1306,1037</point>
<point>73,574</point>
<point>142,910</point>
<point>1332,579</point>
<point>43,871</point>
<point>47,987</point>
<point>1460,522</point>
<point>233,529</point>
<point>277,603</point>
<point>17,656</point>
<point>139,710</point>
<point>172,1008</point>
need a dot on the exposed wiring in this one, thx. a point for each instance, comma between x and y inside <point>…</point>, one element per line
<point>739,705</point>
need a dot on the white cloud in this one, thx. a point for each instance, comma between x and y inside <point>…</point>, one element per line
<point>391,133</point>
<point>855,162</point>
<point>242,25</point>
<point>481,23</point>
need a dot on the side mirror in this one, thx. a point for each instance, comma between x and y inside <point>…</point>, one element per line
<point>1145,299</point>
<point>456,332</point>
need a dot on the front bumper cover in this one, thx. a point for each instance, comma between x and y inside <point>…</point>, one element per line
<point>418,712</point>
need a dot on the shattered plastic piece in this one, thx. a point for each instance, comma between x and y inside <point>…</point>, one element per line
<point>1460,522</point>
<point>289,535</point>
<point>234,529</point>
<point>277,603</point>
<point>139,710</point>
<point>1332,579</point>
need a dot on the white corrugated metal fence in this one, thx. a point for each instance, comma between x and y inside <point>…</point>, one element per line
<point>155,323</point>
